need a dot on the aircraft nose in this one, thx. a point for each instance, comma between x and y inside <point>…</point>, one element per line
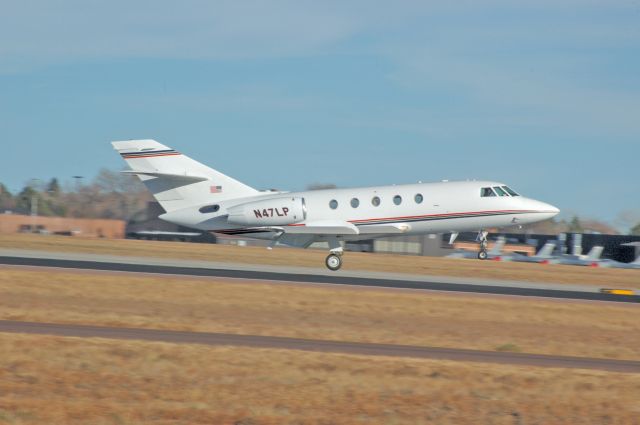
<point>547,209</point>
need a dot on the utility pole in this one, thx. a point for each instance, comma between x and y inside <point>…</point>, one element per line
<point>78,180</point>
<point>34,205</point>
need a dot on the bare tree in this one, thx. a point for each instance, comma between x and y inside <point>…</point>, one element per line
<point>110,195</point>
<point>628,219</point>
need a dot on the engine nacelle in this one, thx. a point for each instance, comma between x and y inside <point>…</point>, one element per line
<point>269,212</point>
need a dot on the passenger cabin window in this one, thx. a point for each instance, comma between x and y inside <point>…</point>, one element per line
<point>397,199</point>
<point>375,201</point>
<point>209,209</point>
<point>499,191</point>
<point>333,204</point>
<point>487,192</point>
<point>418,198</point>
<point>355,202</point>
<point>510,191</point>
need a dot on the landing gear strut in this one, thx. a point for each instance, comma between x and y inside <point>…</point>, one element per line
<point>482,238</point>
<point>334,259</point>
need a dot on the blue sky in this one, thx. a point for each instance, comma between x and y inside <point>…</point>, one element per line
<point>542,95</point>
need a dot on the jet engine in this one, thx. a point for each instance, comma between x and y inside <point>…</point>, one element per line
<point>269,212</point>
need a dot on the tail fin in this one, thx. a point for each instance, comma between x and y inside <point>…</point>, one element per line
<point>546,250</point>
<point>175,180</point>
<point>497,247</point>
<point>595,253</point>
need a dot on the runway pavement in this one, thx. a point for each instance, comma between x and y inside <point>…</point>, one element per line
<point>257,341</point>
<point>337,278</point>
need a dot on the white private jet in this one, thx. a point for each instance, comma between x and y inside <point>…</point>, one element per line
<point>199,197</point>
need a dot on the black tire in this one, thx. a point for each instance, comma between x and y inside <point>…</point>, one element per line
<point>482,255</point>
<point>333,262</point>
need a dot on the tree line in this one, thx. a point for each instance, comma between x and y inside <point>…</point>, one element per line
<point>109,195</point>
<point>119,196</point>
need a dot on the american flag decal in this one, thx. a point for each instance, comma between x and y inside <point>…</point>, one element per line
<point>215,189</point>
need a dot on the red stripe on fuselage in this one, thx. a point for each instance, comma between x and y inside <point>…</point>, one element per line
<point>409,217</point>
<point>150,155</point>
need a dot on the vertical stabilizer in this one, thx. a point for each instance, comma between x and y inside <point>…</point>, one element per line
<point>174,179</point>
<point>546,250</point>
<point>498,246</point>
<point>595,253</point>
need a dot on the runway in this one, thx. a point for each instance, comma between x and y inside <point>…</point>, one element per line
<point>334,279</point>
<point>258,341</point>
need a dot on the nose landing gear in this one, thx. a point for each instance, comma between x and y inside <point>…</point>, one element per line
<point>482,238</point>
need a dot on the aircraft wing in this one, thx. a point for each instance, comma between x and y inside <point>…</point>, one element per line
<point>338,227</point>
<point>315,228</point>
<point>384,228</point>
<point>322,227</point>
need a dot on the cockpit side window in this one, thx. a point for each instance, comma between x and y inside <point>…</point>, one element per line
<point>510,191</point>
<point>499,191</point>
<point>486,192</point>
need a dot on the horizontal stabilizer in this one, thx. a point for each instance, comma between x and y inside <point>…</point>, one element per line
<point>180,177</point>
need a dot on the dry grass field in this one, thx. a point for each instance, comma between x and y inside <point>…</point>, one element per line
<point>55,380</point>
<point>589,329</point>
<point>315,258</point>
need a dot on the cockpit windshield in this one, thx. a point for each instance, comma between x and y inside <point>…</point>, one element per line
<point>486,192</point>
<point>499,191</point>
<point>510,191</point>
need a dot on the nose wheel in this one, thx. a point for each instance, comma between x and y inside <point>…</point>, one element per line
<point>482,238</point>
<point>334,262</point>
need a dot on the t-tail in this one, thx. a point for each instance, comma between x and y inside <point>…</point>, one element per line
<point>175,180</point>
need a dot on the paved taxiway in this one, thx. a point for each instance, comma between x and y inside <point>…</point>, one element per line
<point>300,275</point>
<point>257,341</point>
<point>275,274</point>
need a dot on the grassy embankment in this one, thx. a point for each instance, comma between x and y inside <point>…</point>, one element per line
<point>315,258</point>
<point>322,312</point>
<point>53,380</point>
<point>46,379</point>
